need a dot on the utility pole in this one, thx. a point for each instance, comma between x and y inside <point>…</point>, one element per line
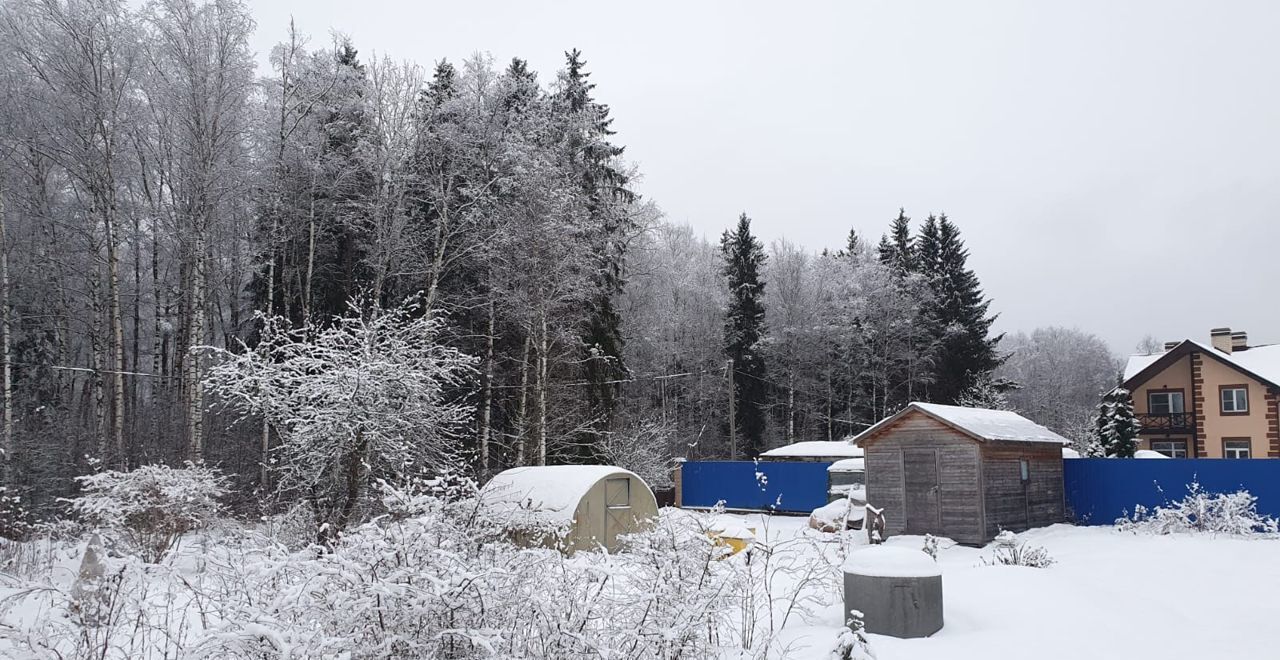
<point>733,418</point>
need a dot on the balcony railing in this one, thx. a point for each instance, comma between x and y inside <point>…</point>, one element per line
<point>1182,422</point>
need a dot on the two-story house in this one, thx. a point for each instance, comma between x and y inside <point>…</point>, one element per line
<point>1208,401</point>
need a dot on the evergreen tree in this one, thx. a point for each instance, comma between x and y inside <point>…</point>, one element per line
<point>957,318</point>
<point>1117,426</point>
<point>744,324</point>
<point>928,247</point>
<point>852,246</point>
<point>896,250</point>
<point>521,87</point>
<point>344,241</point>
<point>596,162</point>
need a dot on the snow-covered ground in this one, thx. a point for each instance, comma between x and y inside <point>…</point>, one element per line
<point>1109,595</point>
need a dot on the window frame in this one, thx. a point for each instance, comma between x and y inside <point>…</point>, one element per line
<point>609,503</point>
<point>1222,407</point>
<point>1173,450</point>
<point>1248,449</point>
<point>1168,392</point>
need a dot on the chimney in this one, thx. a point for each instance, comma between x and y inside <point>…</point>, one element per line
<point>1239,341</point>
<point>1221,339</point>
<point>1170,345</point>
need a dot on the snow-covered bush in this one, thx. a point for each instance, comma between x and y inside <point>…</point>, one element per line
<point>852,642</point>
<point>363,398</point>
<point>643,448</point>
<point>15,519</point>
<point>1007,551</point>
<point>1201,511</point>
<point>149,508</point>
<point>931,546</point>
<point>430,578</point>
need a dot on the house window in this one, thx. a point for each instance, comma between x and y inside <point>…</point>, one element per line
<point>1170,448</point>
<point>1236,448</point>
<point>1025,470</point>
<point>1165,402</point>
<point>1235,399</point>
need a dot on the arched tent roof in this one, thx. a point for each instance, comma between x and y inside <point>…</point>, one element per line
<point>551,492</point>
<point>570,507</point>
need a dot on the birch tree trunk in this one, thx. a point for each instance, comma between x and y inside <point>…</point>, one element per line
<point>487,410</point>
<point>6,373</point>
<point>542,391</point>
<point>191,365</point>
<point>116,347</point>
<point>523,414</point>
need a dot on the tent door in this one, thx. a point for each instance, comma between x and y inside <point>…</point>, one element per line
<point>617,510</point>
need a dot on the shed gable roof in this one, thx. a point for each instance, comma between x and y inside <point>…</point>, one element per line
<point>981,424</point>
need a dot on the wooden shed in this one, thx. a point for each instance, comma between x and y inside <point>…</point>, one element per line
<point>963,473</point>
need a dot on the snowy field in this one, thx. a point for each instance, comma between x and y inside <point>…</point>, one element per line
<point>1109,595</point>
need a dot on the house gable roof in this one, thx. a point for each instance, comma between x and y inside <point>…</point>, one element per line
<point>1261,363</point>
<point>981,424</point>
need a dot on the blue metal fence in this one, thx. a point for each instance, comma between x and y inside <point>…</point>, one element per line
<point>1100,490</point>
<point>783,486</point>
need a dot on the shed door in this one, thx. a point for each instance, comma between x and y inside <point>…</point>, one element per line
<point>920,476</point>
<point>617,513</point>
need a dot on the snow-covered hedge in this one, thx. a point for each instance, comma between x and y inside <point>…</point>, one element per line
<point>1204,512</point>
<point>430,578</point>
<point>149,508</point>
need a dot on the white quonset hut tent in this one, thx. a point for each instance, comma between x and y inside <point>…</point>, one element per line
<point>570,507</point>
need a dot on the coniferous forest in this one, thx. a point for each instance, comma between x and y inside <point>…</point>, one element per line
<point>168,207</point>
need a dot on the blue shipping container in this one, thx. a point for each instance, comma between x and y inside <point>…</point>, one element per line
<point>781,486</point>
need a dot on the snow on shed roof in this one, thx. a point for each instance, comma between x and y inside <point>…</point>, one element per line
<point>816,448</point>
<point>550,491</point>
<point>983,423</point>
<point>848,465</point>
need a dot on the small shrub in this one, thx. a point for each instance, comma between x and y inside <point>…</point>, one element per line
<point>15,519</point>
<point>1202,512</point>
<point>931,546</point>
<point>1008,551</point>
<point>852,642</point>
<point>148,509</point>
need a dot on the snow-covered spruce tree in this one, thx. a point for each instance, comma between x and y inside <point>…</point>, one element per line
<point>360,399</point>
<point>896,250</point>
<point>1097,446</point>
<point>597,165</point>
<point>744,258</point>
<point>966,350</point>
<point>1122,425</point>
<point>1117,426</point>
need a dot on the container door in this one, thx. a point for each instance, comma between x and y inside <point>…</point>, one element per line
<point>920,474</point>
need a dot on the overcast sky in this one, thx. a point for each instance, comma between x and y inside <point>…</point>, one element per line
<point>1113,166</point>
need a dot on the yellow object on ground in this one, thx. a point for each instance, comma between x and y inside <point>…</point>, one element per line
<point>733,535</point>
